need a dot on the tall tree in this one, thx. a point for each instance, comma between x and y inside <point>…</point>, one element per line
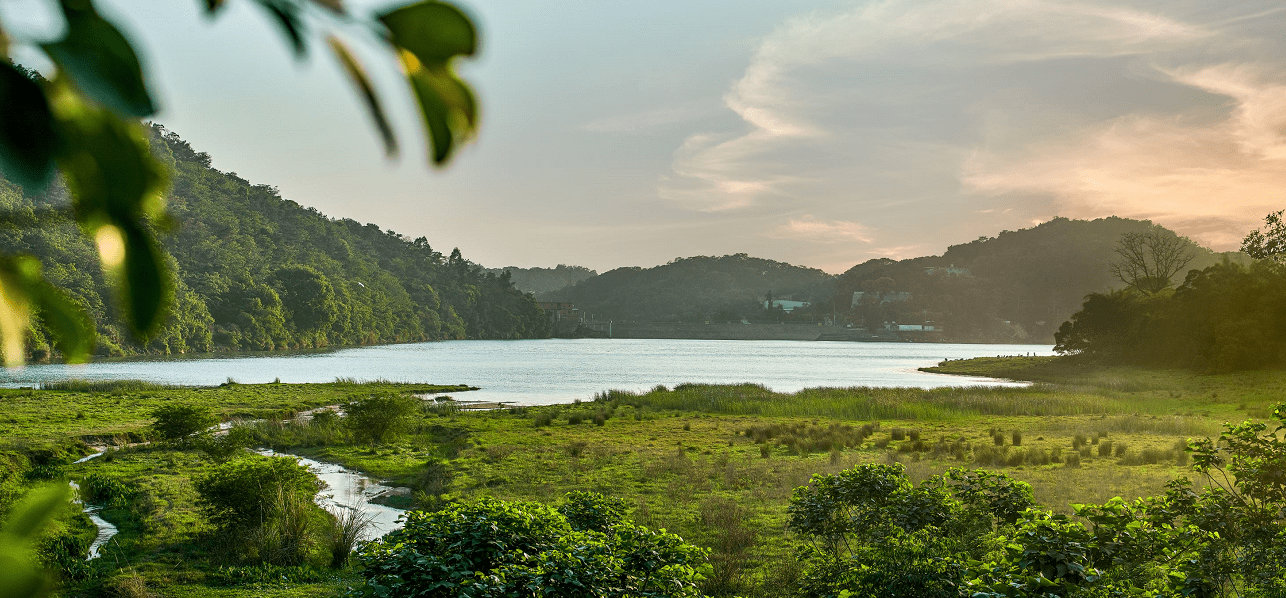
<point>1268,242</point>
<point>1148,260</point>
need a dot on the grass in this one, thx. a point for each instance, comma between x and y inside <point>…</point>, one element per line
<point>716,464</point>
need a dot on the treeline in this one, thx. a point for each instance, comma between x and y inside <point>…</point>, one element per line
<point>1223,318</point>
<point>728,288</point>
<point>1018,286</point>
<point>254,271</point>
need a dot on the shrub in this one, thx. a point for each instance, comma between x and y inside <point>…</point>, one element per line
<point>175,422</point>
<point>1072,460</point>
<point>897,434</point>
<point>542,419</point>
<point>591,511</point>
<point>497,548</point>
<point>222,447</point>
<point>380,416</point>
<point>1120,449</point>
<point>1018,438</point>
<point>244,492</point>
<point>575,419</point>
<point>1105,448</point>
<point>998,439</point>
<point>914,435</point>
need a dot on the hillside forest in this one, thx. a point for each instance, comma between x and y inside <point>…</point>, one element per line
<point>255,271</point>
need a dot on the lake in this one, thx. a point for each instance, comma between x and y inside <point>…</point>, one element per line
<point>546,371</point>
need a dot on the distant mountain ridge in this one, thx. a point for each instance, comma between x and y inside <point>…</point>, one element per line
<point>1017,286</point>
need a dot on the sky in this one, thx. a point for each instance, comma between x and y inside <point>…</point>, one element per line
<point>818,133</point>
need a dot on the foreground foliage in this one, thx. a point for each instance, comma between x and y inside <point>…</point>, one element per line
<point>873,533</point>
<point>492,548</point>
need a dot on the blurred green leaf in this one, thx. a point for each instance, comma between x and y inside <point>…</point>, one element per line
<point>146,288</point>
<point>108,164</point>
<point>19,578</point>
<point>72,329</point>
<point>335,6</point>
<point>211,6</point>
<point>446,104</point>
<point>100,61</point>
<point>27,138</point>
<point>433,31</point>
<point>15,309</point>
<point>116,184</point>
<point>36,510</point>
<point>428,35</point>
<point>25,289</point>
<point>357,76</point>
<point>287,16</point>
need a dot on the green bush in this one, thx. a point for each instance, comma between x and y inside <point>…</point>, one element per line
<point>245,492</point>
<point>522,549</point>
<point>591,511</point>
<point>380,417</point>
<point>175,422</point>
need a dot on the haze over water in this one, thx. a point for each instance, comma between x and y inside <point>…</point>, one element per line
<point>557,370</point>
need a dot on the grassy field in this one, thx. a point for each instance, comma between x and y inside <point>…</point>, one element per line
<point>716,464</point>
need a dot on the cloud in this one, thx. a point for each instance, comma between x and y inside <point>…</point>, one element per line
<point>1212,178</point>
<point>975,115</point>
<point>834,231</point>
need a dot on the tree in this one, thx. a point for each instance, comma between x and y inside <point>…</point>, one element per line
<point>378,417</point>
<point>1268,243</point>
<point>176,422</point>
<point>1150,259</point>
<point>86,122</point>
<point>308,297</point>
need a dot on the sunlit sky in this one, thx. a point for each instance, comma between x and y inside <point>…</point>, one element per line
<point>818,133</point>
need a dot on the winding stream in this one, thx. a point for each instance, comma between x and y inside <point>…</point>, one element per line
<point>105,529</point>
<point>348,489</point>
<point>345,489</point>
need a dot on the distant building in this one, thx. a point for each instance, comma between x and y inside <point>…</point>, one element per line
<point>913,327</point>
<point>951,270</point>
<point>786,306</point>
<point>559,311</point>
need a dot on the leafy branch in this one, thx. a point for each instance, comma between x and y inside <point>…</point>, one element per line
<point>85,123</point>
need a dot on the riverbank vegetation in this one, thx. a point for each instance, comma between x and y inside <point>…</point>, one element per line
<point>716,465</point>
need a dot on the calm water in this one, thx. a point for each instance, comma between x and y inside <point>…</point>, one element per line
<point>555,370</point>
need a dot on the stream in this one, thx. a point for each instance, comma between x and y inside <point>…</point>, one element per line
<point>105,529</point>
<point>349,489</point>
<point>345,489</point>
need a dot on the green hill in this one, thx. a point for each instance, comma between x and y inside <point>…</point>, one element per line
<point>1017,286</point>
<point>255,271</point>
<point>728,288</point>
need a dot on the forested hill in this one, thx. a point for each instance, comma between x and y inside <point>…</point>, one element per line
<point>1017,286</point>
<point>727,288</point>
<point>258,272</point>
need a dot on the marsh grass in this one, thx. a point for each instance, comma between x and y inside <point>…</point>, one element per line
<point>112,387</point>
<point>864,403</point>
